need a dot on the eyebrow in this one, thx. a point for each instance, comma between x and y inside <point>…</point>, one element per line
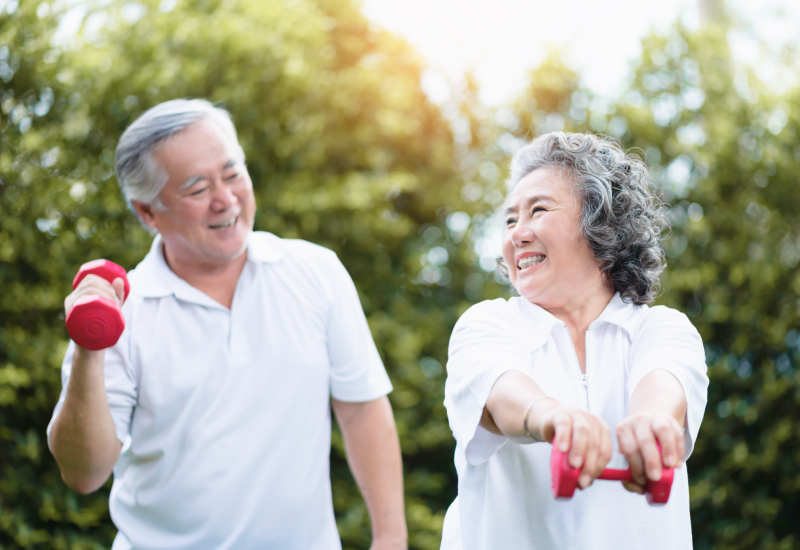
<point>530,201</point>
<point>194,179</point>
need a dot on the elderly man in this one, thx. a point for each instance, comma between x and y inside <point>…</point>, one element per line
<point>212,410</point>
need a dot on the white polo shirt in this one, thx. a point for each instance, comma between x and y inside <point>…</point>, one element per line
<point>224,414</point>
<point>504,496</point>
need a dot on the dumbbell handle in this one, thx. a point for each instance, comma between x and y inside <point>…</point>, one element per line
<point>616,475</point>
<point>565,478</point>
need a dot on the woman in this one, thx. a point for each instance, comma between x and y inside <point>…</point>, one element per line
<point>577,357</point>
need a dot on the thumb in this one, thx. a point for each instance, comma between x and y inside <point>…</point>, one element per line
<point>119,288</point>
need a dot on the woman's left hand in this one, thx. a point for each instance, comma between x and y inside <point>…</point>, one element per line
<point>637,436</point>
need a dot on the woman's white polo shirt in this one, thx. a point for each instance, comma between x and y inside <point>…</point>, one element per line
<point>504,496</point>
<point>224,414</point>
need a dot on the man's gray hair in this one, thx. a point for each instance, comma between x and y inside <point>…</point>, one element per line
<point>621,217</point>
<point>141,178</point>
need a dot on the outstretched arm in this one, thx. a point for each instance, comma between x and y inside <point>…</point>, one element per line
<point>656,412</point>
<point>373,453</point>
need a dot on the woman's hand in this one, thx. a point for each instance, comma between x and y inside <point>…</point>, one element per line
<point>637,436</point>
<point>583,434</point>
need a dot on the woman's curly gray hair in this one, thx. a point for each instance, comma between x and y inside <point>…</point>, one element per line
<point>621,217</point>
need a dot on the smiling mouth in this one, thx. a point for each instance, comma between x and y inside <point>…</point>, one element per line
<point>530,261</point>
<point>225,224</point>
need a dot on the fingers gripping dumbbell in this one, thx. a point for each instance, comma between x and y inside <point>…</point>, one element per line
<point>95,322</point>
<point>565,478</point>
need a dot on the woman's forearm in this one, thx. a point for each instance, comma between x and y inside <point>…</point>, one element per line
<point>505,406</point>
<point>659,393</point>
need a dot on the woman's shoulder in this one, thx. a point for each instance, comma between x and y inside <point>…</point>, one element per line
<point>499,308</point>
<point>663,318</point>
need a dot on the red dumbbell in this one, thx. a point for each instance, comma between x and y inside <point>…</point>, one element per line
<point>95,322</point>
<point>565,478</point>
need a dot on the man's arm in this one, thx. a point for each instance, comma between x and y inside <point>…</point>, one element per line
<point>373,453</point>
<point>83,439</point>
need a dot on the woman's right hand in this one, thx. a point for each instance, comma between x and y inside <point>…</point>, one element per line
<point>584,435</point>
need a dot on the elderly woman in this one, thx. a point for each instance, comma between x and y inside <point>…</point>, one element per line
<point>577,357</point>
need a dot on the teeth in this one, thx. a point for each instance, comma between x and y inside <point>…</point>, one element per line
<point>224,224</point>
<point>531,260</point>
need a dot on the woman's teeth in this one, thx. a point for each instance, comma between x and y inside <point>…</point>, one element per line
<point>224,224</point>
<point>529,261</point>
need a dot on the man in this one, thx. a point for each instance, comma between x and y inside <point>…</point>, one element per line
<point>212,410</point>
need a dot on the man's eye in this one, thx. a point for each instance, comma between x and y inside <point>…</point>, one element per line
<point>198,191</point>
<point>233,176</point>
<point>511,221</point>
<point>538,209</point>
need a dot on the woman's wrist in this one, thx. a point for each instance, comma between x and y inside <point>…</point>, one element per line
<point>532,423</point>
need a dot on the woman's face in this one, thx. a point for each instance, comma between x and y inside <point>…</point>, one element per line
<point>549,262</point>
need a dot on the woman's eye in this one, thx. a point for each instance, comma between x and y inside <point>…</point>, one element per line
<point>233,176</point>
<point>538,209</point>
<point>511,221</point>
<point>198,191</point>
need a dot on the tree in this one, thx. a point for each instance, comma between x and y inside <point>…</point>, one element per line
<point>344,150</point>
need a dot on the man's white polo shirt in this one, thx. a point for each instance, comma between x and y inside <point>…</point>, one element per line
<point>504,495</point>
<point>224,414</point>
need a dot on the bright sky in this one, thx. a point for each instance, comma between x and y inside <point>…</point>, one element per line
<point>502,39</point>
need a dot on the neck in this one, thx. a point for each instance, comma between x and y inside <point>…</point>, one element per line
<point>580,310</point>
<point>215,279</point>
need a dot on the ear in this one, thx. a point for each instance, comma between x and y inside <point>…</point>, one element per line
<point>146,212</point>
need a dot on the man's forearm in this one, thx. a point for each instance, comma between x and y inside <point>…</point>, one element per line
<point>83,438</point>
<point>373,453</point>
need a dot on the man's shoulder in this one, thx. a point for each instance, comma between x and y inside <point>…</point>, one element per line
<point>267,244</point>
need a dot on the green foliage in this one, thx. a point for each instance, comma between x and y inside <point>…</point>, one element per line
<point>346,151</point>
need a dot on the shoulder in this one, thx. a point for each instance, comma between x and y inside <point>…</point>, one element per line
<point>297,250</point>
<point>488,309</point>
<point>494,314</point>
<point>664,321</point>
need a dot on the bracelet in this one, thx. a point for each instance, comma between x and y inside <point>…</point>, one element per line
<point>525,416</point>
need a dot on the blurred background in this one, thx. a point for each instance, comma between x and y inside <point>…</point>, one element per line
<point>383,131</point>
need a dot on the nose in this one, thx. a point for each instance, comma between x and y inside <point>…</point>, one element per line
<point>222,197</point>
<point>521,234</point>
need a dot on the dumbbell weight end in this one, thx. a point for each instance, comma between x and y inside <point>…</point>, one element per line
<point>96,322</point>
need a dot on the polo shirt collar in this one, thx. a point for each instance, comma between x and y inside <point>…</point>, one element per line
<point>156,280</point>
<point>622,314</point>
<point>540,322</point>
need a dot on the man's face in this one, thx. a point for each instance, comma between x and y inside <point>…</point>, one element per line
<point>210,207</point>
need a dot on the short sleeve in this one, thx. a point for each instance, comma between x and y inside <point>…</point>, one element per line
<point>667,340</point>
<point>357,372</point>
<point>121,388</point>
<point>484,345</point>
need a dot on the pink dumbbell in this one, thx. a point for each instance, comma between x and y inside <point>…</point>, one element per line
<point>565,478</point>
<point>95,322</point>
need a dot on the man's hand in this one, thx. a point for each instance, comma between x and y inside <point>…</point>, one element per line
<point>92,285</point>
<point>373,453</point>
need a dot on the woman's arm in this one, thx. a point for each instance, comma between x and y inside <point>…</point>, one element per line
<point>657,412</point>
<point>585,435</point>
